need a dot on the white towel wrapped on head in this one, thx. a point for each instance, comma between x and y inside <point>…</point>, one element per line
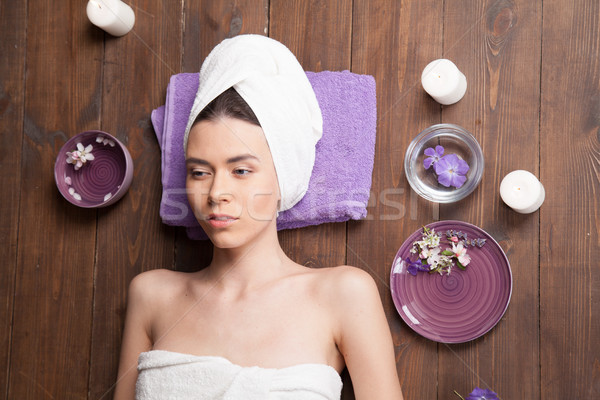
<point>170,375</point>
<point>267,75</point>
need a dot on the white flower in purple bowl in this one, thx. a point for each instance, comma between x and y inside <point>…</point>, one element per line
<point>80,156</point>
<point>104,140</point>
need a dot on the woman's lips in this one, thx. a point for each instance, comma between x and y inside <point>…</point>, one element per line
<point>220,220</point>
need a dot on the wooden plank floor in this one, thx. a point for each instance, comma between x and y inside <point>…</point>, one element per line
<point>533,102</point>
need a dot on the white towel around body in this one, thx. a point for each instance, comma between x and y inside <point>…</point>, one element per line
<point>169,375</point>
<point>267,75</point>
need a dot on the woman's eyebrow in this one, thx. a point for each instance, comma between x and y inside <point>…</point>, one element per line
<point>231,160</point>
<point>193,160</point>
<point>242,157</point>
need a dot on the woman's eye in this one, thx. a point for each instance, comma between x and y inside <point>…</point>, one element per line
<point>241,171</point>
<point>197,173</point>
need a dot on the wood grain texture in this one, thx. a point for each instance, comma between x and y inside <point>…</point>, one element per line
<point>208,22</point>
<point>13,20</point>
<point>496,44</point>
<point>306,28</point>
<point>393,41</point>
<point>533,103</point>
<point>131,237</point>
<point>54,282</point>
<point>570,216</point>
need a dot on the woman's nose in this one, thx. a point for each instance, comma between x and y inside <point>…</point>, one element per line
<point>219,190</point>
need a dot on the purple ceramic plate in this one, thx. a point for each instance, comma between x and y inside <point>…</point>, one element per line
<point>459,307</point>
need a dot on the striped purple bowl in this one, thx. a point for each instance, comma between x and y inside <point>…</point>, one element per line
<point>99,182</point>
<point>459,307</point>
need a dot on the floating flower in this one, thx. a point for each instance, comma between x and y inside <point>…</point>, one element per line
<point>480,394</point>
<point>104,140</point>
<point>433,156</point>
<point>75,195</point>
<point>80,156</point>
<point>451,170</point>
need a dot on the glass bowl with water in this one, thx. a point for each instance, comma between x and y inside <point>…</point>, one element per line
<point>454,139</point>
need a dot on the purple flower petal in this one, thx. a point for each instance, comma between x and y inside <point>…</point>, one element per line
<point>433,156</point>
<point>427,162</point>
<point>458,180</point>
<point>411,270</point>
<point>482,394</point>
<point>429,152</point>
<point>463,167</point>
<point>445,179</point>
<point>415,266</point>
<point>449,168</point>
<point>442,165</point>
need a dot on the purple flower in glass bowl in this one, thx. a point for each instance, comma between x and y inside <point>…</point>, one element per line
<point>482,394</point>
<point>479,394</point>
<point>451,170</point>
<point>433,156</point>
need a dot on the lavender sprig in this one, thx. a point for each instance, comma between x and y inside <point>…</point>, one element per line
<point>479,242</point>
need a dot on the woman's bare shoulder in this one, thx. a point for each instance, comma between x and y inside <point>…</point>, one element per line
<point>157,276</point>
<point>345,282</point>
<point>347,293</point>
<point>156,283</point>
<point>344,275</point>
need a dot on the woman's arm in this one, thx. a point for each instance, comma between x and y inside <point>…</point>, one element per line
<point>136,335</point>
<point>364,338</point>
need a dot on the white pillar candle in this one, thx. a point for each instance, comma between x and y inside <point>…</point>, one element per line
<point>114,16</point>
<point>522,191</point>
<point>444,81</point>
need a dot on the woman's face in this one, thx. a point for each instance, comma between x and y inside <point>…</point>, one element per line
<point>231,180</point>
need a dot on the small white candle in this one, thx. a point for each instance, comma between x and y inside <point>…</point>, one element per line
<point>114,16</point>
<point>444,81</point>
<point>522,191</point>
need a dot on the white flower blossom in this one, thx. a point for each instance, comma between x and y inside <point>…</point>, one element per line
<point>461,253</point>
<point>80,156</point>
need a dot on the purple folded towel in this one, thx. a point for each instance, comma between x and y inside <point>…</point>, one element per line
<point>340,184</point>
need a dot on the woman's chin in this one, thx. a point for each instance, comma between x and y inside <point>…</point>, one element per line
<point>235,235</point>
<point>225,240</point>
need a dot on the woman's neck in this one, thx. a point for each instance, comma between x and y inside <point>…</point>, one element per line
<point>252,265</point>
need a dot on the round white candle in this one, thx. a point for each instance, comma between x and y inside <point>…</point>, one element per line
<point>114,16</point>
<point>522,191</point>
<point>444,81</point>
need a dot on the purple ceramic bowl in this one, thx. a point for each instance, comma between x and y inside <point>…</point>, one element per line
<point>99,182</point>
